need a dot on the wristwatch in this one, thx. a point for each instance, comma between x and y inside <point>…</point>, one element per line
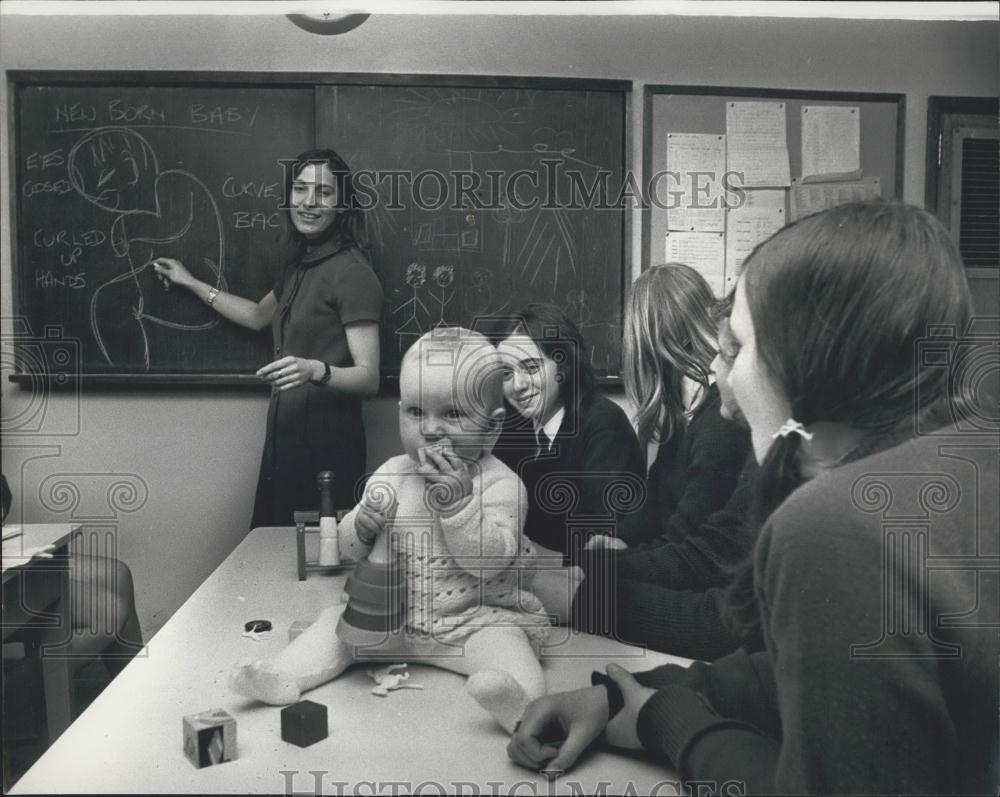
<point>326,376</point>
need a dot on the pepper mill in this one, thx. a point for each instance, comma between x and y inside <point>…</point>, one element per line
<point>329,551</point>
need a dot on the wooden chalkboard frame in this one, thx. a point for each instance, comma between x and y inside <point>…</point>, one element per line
<point>17,79</point>
<point>653,138</point>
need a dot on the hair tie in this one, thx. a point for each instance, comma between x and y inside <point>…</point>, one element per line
<point>792,425</point>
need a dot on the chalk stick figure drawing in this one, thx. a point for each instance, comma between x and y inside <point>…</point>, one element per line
<point>116,170</point>
<point>416,276</point>
<point>443,277</point>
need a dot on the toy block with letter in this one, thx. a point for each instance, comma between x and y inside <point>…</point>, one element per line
<point>210,737</point>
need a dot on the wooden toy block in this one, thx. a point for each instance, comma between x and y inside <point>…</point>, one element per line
<point>304,723</point>
<point>210,738</point>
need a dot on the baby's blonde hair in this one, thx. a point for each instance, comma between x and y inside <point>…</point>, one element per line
<point>475,363</point>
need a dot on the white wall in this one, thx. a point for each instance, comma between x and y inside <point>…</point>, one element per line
<point>197,453</point>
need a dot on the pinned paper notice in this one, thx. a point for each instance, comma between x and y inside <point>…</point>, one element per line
<point>763,198</point>
<point>757,143</point>
<point>831,142</point>
<point>746,227</point>
<point>696,164</point>
<point>705,252</point>
<point>808,198</point>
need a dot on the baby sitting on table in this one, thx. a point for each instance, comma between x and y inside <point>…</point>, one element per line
<point>452,515</point>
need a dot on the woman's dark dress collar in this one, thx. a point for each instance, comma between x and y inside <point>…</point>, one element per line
<point>313,254</point>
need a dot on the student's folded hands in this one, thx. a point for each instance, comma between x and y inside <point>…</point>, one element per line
<point>582,716</point>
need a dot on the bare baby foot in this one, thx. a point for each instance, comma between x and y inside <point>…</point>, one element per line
<point>500,694</point>
<point>261,681</point>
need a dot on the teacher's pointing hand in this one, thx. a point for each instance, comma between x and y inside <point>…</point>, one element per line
<point>172,272</point>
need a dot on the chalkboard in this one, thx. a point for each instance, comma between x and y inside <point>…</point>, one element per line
<point>504,193</point>
<point>525,230</point>
<point>111,176</point>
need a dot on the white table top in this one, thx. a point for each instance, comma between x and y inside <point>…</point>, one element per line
<point>22,540</point>
<point>130,739</point>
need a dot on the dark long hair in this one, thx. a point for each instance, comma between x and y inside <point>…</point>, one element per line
<point>350,223</point>
<point>839,302</point>
<point>560,340</point>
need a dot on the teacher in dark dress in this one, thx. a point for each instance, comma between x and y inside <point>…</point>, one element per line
<point>324,312</point>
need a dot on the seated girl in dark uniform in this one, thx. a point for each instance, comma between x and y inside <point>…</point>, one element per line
<point>574,449</point>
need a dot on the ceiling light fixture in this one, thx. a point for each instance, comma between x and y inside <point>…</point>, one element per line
<point>328,24</point>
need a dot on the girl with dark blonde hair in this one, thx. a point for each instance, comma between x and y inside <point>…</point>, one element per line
<point>669,346</point>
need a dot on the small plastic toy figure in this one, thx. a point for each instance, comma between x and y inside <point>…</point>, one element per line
<point>388,681</point>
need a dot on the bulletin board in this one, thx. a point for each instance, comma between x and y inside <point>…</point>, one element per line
<point>736,126</point>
